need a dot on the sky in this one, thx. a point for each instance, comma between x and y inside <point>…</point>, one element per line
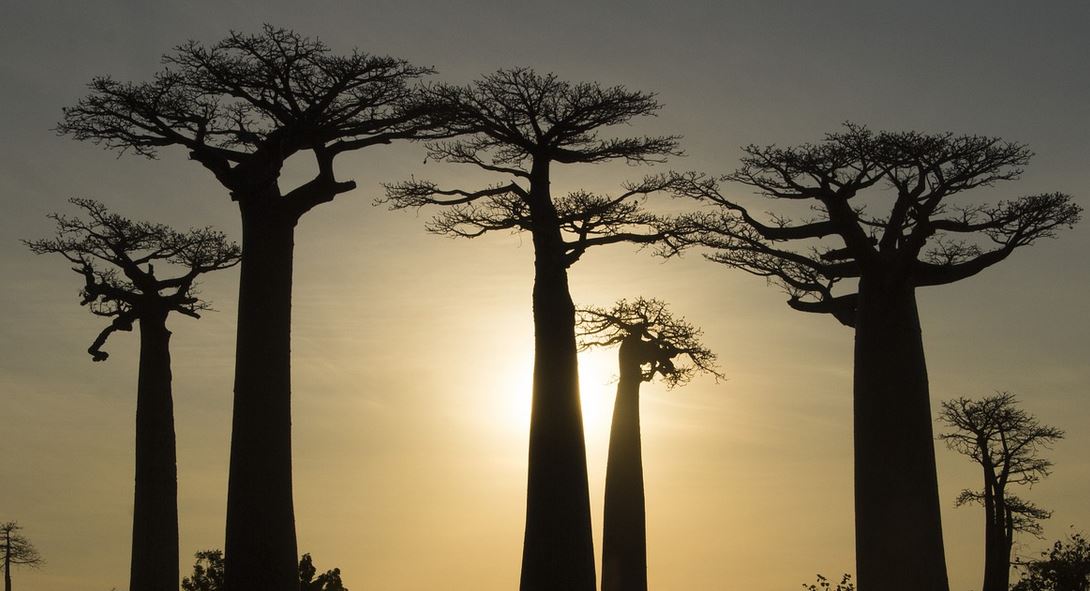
<point>412,352</point>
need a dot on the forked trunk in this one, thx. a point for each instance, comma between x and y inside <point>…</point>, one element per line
<point>997,547</point>
<point>260,552</point>
<point>898,529</point>
<point>558,550</point>
<point>155,508</point>
<point>624,531</point>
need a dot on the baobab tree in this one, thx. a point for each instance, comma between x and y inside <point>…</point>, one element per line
<point>1006,442</point>
<point>653,343</point>
<point>241,108</point>
<point>17,551</point>
<point>886,220</point>
<point>116,257</point>
<point>517,125</point>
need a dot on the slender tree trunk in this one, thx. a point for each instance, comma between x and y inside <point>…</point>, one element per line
<point>898,525</point>
<point>7,561</point>
<point>155,507</point>
<point>558,550</point>
<point>260,550</point>
<point>624,537</point>
<point>992,523</point>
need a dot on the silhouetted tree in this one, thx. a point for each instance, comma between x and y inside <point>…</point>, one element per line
<point>1065,567</point>
<point>241,108</point>
<point>310,580</point>
<point>824,584</point>
<point>519,124</point>
<point>921,238</point>
<point>1006,442</point>
<point>208,575</point>
<point>110,253</point>
<point>207,572</point>
<point>652,343</point>
<point>17,551</point>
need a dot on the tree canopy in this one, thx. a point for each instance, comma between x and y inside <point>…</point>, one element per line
<point>882,203</point>
<point>117,256</point>
<point>676,350</point>
<point>242,106</point>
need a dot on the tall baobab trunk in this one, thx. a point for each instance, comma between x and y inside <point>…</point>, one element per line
<point>260,549</point>
<point>558,550</point>
<point>898,528</point>
<point>624,531</point>
<point>155,507</point>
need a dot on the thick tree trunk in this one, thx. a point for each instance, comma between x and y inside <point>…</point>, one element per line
<point>897,520</point>
<point>558,550</point>
<point>260,550</point>
<point>624,537</point>
<point>155,507</point>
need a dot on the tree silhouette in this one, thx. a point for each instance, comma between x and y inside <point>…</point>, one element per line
<point>17,551</point>
<point>652,342</point>
<point>241,108</point>
<point>110,253</point>
<point>923,237</point>
<point>1006,442</point>
<point>518,124</point>
<point>208,575</point>
<point>207,572</point>
<point>1064,567</point>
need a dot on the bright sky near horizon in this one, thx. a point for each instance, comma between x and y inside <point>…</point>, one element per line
<point>412,352</point>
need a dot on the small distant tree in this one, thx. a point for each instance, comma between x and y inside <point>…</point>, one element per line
<point>887,217</point>
<point>117,258</point>
<point>824,584</point>
<point>653,343</point>
<point>1064,567</point>
<point>207,572</point>
<point>518,125</point>
<point>242,108</point>
<point>310,580</point>
<point>208,575</point>
<point>17,551</point>
<point>1006,442</point>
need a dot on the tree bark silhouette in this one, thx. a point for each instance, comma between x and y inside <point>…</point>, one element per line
<point>898,520</point>
<point>624,528</point>
<point>260,548</point>
<point>517,123</point>
<point>650,337</point>
<point>242,108</point>
<point>926,237</point>
<point>154,564</point>
<point>116,257</point>
<point>558,550</point>
<point>1005,441</point>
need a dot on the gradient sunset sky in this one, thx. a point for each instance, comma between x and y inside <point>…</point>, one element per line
<point>412,352</point>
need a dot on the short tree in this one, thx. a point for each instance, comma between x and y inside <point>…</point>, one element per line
<point>824,584</point>
<point>208,575</point>
<point>1064,567</point>
<point>241,108</point>
<point>518,124</point>
<point>116,258</point>
<point>17,551</point>
<point>1006,442</point>
<point>920,237</point>
<point>653,343</point>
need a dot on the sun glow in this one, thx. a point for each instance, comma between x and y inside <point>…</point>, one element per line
<point>513,390</point>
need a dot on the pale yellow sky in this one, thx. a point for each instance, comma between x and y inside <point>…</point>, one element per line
<point>412,352</point>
